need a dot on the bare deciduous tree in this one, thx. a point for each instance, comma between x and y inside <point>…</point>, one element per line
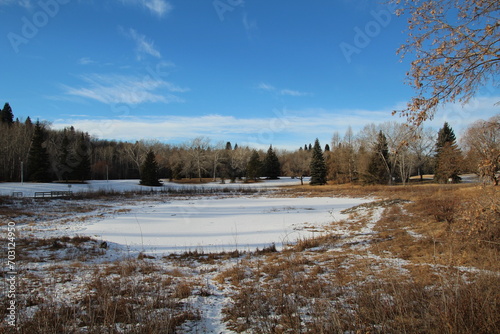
<point>197,150</point>
<point>456,49</point>
<point>483,139</point>
<point>296,164</point>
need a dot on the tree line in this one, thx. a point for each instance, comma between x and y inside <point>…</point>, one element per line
<point>386,153</point>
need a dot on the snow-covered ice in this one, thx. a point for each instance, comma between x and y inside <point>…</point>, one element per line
<point>220,224</point>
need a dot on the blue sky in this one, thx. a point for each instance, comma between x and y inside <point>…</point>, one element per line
<point>250,72</point>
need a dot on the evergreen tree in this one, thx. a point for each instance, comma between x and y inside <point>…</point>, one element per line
<point>149,171</point>
<point>448,156</point>
<point>229,147</point>
<point>271,165</point>
<point>378,167</point>
<point>82,167</point>
<point>7,115</point>
<point>318,165</point>
<point>445,135</point>
<point>63,169</point>
<point>254,166</point>
<point>38,158</point>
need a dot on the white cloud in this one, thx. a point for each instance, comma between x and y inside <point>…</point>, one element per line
<point>290,92</point>
<point>143,46</point>
<point>461,116</point>
<point>265,86</point>
<point>284,92</point>
<point>85,61</point>
<point>250,26</point>
<point>157,7</point>
<point>285,129</point>
<point>114,88</point>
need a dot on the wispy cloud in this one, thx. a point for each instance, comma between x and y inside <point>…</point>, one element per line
<point>85,61</point>
<point>285,92</point>
<point>157,7</point>
<point>266,87</point>
<point>115,88</point>
<point>143,46</point>
<point>290,92</point>
<point>250,26</point>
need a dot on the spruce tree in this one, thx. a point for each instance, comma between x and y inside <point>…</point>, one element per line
<point>445,135</point>
<point>318,166</point>
<point>38,158</point>
<point>254,166</point>
<point>82,167</point>
<point>271,165</point>
<point>149,171</point>
<point>7,115</point>
<point>448,156</point>
<point>63,169</point>
<point>378,171</point>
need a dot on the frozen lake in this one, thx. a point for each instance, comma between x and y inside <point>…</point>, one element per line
<point>220,224</point>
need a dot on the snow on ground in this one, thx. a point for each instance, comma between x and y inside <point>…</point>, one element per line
<point>28,189</point>
<point>219,224</point>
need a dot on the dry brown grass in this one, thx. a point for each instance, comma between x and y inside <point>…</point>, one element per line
<point>447,226</point>
<point>233,275</point>
<point>129,296</point>
<point>431,265</point>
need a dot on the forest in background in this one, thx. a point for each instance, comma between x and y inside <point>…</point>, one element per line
<point>385,153</point>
